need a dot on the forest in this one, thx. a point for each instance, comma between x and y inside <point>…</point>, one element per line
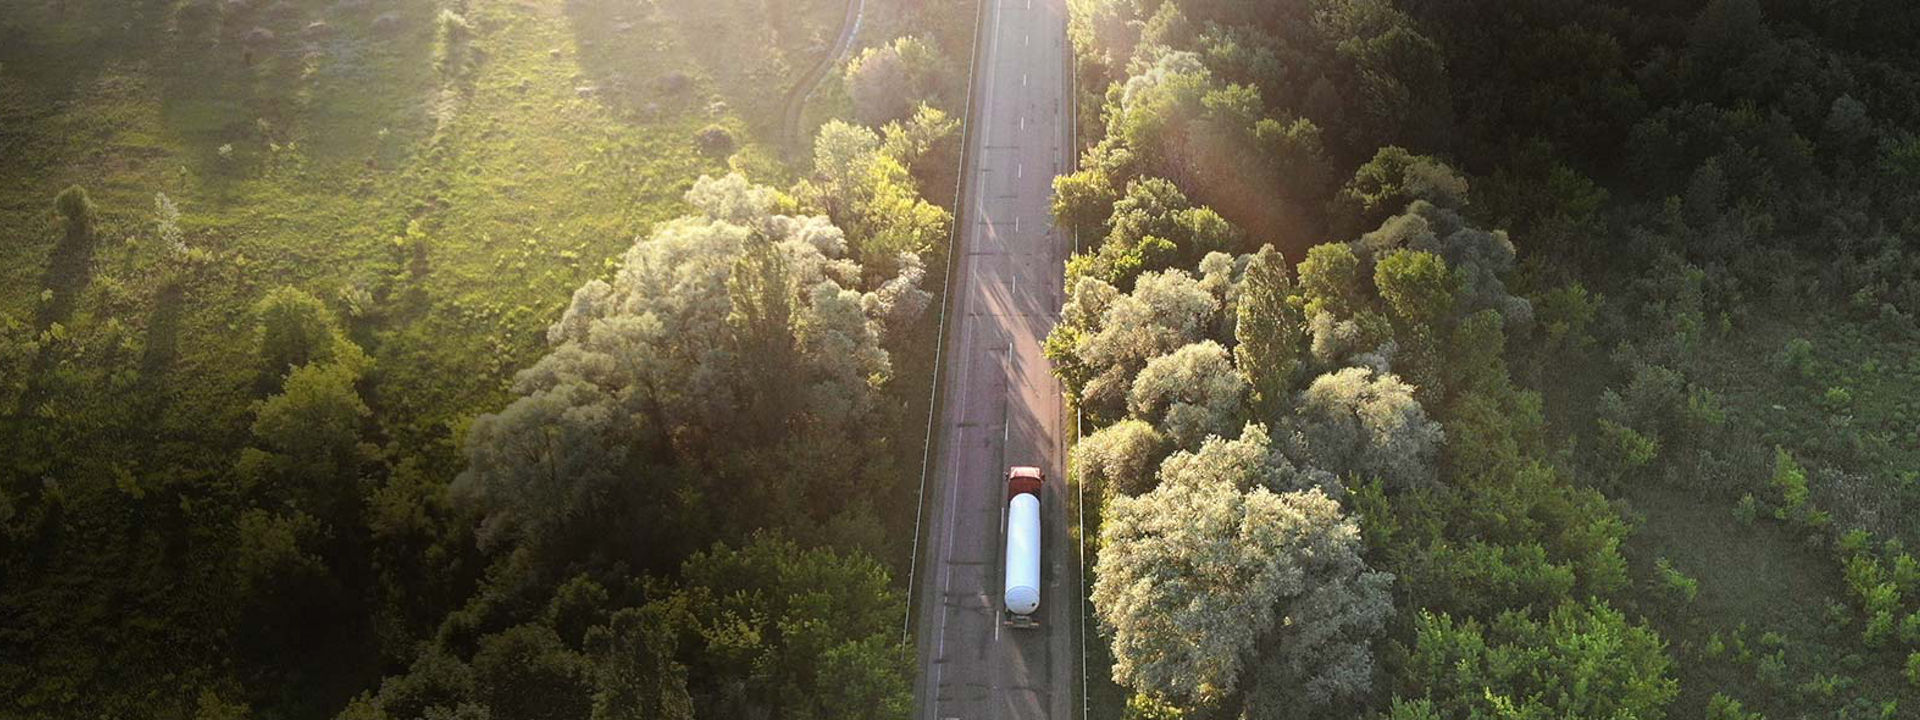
<point>474,359</point>
<point>1545,359</point>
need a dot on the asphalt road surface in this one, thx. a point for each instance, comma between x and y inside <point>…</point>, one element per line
<point>1001,404</point>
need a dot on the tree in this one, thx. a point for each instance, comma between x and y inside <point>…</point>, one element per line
<point>1418,290</point>
<point>730,330</point>
<point>1154,227</point>
<point>1083,202</point>
<point>886,82</point>
<point>309,435</point>
<point>296,329</point>
<point>1166,311</point>
<point>636,674</point>
<point>1190,393</point>
<point>1357,422</point>
<point>871,194</point>
<point>806,632</point>
<point>928,145</point>
<point>1388,183</point>
<point>1267,333</point>
<point>1582,661</point>
<point>1330,281</point>
<point>78,210</point>
<point>1202,577</point>
<point>527,672</point>
<point>1119,459</point>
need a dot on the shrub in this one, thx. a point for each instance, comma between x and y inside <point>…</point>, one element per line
<point>1791,480</point>
<point>1675,583</point>
<point>77,208</point>
<point>1855,541</point>
<point>715,141</point>
<point>1837,399</point>
<point>1772,669</point>
<point>1913,668</point>
<point>1722,707</point>
<point>1878,630</point>
<point>1746,510</point>
<point>1796,358</point>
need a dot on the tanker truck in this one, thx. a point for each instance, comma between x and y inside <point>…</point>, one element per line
<point>1022,598</point>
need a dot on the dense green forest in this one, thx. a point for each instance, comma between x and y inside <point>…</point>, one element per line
<point>1542,359</point>
<point>402,359</point>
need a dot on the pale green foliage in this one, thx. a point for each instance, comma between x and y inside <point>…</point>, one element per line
<point>887,81</point>
<point>729,312</point>
<point>1190,393</point>
<point>1360,423</point>
<point>1119,459</point>
<point>548,457</point>
<point>867,189</point>
<point>1478,257</point>
<point>1165,312</point>
<point>1212,581</point>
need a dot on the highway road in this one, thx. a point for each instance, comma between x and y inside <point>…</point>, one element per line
<point>1000,403</point>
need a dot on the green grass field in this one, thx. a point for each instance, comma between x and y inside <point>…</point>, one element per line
<point>444,183</point>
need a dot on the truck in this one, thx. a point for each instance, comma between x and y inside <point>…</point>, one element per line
<point>1022,558</point>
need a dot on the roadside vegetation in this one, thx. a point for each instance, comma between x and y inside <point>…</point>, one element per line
<point>456,359</point>
<point>475,359</point>
<point>1593,321</point>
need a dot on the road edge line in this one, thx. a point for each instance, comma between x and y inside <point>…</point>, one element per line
<point>940,338</point>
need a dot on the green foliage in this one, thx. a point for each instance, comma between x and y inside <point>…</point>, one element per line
<point>1797,358</point>
<point>1154,227</point>
<point>1188,634</point>
<point>1082,202</point>
<point>1579,661</point>
<point>76,208</point>
<point>1627,448</point>
<point>1722,707</point>
<point>1268,330</point>
<point>1329,281</point>
<point>1676,584</point>
<point>1746,510</point>
<point>309,436</point>
<point>886,82</point>
<point>1790,480</point>
<point>1387,183</point>
<point>1913,669</point>
<point>296,329</point>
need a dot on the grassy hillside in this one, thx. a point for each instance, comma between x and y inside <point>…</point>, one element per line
<point>443,181</point>
<point>442,175</point>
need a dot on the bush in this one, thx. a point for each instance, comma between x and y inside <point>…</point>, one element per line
<point>1722,707</point>
<point>1791,480</point>
<point>1771,669</point>
<point>1675,583</point>
<point>1878,630</point>
<point>715,141</point>
<point>1913,669</point>
<point>1795,358</point>
<point>1746,510</point>
<point>77,208</point>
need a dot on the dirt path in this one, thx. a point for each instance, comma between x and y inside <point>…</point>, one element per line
<point>796,98</point>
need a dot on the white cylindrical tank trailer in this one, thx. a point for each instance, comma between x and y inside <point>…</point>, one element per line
<point>1022,558</point>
